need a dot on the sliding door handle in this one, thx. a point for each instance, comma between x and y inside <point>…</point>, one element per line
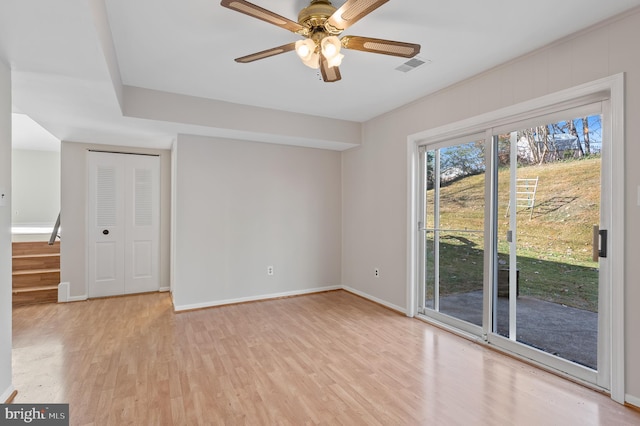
<point>599,243</point>
<point>603,243</point>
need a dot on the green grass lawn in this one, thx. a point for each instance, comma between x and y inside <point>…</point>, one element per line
<point>554,247</point>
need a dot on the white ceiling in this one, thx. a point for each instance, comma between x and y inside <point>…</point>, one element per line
<point>73,59</point>
<point>27,134</point>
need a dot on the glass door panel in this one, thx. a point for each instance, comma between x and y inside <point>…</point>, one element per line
<point>546,290</point>
<point>453,231</point>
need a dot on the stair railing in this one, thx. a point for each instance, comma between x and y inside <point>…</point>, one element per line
<point>55,234</point>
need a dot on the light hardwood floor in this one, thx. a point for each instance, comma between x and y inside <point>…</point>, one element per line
<point>328,358</point>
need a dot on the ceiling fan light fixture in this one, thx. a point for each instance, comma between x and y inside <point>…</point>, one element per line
<point>313,61</point>
<point>335,61</point>
<point>330,47</point>
<point>306,50</point>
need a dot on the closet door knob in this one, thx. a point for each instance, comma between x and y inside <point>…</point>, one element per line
<point>105,232</point>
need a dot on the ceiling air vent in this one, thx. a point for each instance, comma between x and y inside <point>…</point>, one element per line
<point>412,64</point>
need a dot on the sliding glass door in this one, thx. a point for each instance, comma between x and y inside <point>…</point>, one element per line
<point>513,238</point>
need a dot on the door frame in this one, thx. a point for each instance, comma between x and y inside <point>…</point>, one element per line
<point>611,88</point>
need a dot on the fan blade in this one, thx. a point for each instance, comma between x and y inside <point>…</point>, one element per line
<point>264,14</point>
<point>350,13</point>
<point>267,53</point>
<point>329,74</point>
<point>377,45</point>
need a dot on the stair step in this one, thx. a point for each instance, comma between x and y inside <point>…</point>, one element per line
<point>35,295</point>
<point>36,272</point>
<point>36,278</point>
<point>36,261</point>
<point>35,256</point>
<point>34,247</point>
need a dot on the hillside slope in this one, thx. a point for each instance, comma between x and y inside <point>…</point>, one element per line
<point>554,246</point>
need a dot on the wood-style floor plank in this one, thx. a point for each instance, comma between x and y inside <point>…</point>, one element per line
<point>326,359</point>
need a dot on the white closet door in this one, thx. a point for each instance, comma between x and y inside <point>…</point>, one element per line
<point>106,224</point>
<point>124,224</point>
<point>142,223</point>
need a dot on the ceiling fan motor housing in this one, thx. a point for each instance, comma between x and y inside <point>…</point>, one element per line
<point>315,15</point>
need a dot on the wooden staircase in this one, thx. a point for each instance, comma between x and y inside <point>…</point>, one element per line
<point>36,272</point>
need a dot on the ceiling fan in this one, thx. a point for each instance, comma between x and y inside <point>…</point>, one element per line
<point>320,24</point>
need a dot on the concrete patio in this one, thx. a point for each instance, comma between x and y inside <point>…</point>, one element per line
<point>560,330</point>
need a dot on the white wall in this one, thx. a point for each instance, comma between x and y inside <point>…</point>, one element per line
<point>242,206</point>
<point>375,174</point>
<point>35,183</point>
<point>5,233</point>
<point>73,244</point>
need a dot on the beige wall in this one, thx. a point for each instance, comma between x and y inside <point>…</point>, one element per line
<point>5,233</point>
<point>73,244</point>
<point>241,122</point>
<point>375,174</point>
<point>242,206</point>
<point>35,183</point>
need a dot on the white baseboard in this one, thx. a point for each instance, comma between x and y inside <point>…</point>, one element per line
<point>64,289</point>
<point>80,298</point>
<point>633,400</point>
<point>375,299</point>
<point>63,296</point>
<point>6,394</point>
<point>63,292</point>
<point>210,304</point>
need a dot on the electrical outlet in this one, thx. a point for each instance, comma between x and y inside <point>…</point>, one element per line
<point>269,270</point>
<point>376,272</point>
